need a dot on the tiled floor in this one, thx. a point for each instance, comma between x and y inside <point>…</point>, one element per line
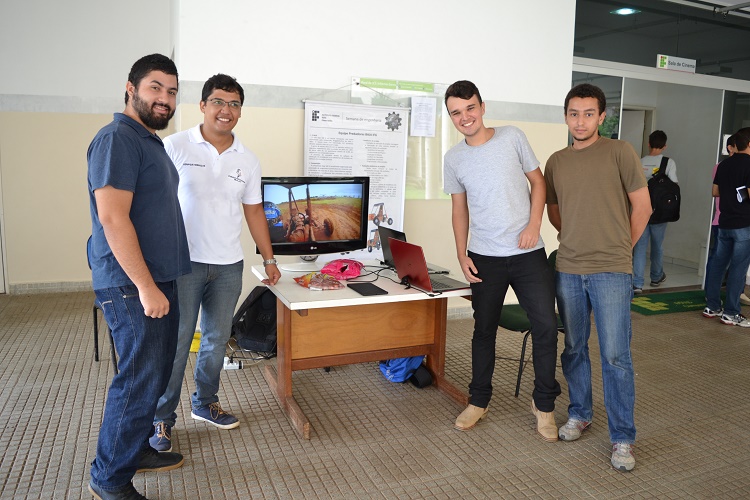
<point>374,439</point>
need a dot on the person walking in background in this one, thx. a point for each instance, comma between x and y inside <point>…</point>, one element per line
<point>488,176</point>
<point>598,201</point>
<point>733,248</point>
<point>219,184</point>
<point>657,143</point>
<point>138,249</point>
<point>713,239</point>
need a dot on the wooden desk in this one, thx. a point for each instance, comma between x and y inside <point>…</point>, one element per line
<point>318,329</point>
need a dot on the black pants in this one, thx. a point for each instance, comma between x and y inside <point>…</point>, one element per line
<point>533,282</point>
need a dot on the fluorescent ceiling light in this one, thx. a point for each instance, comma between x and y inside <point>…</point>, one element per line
<point>625,11</point>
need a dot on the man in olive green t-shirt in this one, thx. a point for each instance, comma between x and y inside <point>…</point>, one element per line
<point>598,200</point>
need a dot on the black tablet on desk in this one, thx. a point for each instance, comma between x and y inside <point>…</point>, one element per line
<point>367,289</point>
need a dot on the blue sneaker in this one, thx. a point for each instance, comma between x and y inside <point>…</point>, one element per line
<point>161,439</point>
<point>214,415</point>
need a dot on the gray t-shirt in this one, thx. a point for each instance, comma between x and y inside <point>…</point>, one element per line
<point>652,163</point>
<point>493,176</point>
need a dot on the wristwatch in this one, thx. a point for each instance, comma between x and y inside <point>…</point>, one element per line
<point>269,261</point>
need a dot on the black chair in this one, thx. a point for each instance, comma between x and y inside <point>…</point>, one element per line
<point>95,313</point>
<point>514,318</point>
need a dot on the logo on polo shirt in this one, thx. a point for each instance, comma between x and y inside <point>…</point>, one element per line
<point>237,176</point>
<point>201,165</point>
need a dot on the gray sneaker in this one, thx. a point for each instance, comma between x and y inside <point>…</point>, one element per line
<point>572,429</point>
<point>622,457</point>
<point>736,320</point>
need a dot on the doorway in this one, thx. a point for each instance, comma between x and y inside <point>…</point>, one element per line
<point>692,119</point>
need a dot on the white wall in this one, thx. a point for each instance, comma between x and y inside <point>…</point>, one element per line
<point>691,117</point>
<point>81,48</point>
<point>640,93</point>
<point>64,67</point>
<point>514,51</point>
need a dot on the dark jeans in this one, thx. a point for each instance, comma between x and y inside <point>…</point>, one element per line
<point>146,349</point>
<point>533,282</point>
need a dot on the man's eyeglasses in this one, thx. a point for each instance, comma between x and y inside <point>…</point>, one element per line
<point>220,103</point>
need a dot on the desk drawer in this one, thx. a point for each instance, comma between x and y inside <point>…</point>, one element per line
<point>374,327</point>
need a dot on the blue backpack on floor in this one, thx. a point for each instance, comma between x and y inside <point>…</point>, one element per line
<point>400,369</point>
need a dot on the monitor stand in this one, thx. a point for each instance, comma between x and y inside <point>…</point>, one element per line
<point>308,265</point>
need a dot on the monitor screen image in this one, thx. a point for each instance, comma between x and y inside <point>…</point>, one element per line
<point>316,215</point>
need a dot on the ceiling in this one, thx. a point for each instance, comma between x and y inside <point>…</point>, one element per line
<point>718,41</point>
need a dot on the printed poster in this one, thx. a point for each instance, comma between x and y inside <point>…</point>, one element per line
<point>361,140</point>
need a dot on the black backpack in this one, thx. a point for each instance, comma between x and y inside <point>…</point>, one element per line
<point>254,323</point>
<point>665,196</point>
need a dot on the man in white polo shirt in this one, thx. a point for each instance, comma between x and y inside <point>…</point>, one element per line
<point>219,182</point>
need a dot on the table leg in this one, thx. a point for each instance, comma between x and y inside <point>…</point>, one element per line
<point>281,381</point>
<point>436,360</point>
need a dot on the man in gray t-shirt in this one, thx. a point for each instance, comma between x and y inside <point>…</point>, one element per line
<point>488,176</point>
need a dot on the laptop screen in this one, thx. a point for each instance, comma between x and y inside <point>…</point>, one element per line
<point>385,233</point>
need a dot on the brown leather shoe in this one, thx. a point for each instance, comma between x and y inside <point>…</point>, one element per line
<point>545,424</point>
<point>469,417</point>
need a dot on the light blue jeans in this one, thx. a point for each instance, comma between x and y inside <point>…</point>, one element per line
<point>654,233</point>
<point>214,290</point>
<point>608,295</point>
<point>732,252</point>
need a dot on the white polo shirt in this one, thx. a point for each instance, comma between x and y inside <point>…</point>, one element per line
<point>213,187</point>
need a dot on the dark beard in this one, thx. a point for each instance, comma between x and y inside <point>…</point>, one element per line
<point>144,113</point>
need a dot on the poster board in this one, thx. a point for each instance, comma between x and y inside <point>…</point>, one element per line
<point>343,139</point>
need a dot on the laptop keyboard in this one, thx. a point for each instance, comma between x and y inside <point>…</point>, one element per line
<point>438,285</point>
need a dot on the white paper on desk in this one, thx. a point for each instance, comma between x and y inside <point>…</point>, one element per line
<point>423,116</point>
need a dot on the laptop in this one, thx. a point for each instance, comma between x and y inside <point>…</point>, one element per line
<point>386,233</point>
<point>411,267</point>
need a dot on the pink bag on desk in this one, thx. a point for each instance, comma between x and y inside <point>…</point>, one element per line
<point>343,269</point>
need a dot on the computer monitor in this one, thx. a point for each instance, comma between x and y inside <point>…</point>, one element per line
<point>310,216</point>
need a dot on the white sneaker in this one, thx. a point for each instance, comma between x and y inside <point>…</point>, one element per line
<point>572,429</point>
<point>711,313</point>
<point>736,320</point>
<point>744,299</point>
<point>622,457</point>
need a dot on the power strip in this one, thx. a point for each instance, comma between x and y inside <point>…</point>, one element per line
<point>232,365</point>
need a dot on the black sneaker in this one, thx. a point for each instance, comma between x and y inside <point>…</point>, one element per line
<point>153,461</point>
<point>660,280</point>
<point>127,492</point>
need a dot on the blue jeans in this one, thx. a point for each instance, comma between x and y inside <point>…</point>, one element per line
<point>609,296</point>
<point>655,233</point>
<point>145,347</point>
<point>213,289</point>
<point>713,242</point>
<point>532,280</point>
<point>732,252</point>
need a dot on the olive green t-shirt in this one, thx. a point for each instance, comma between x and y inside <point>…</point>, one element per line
<point>591,187</point>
